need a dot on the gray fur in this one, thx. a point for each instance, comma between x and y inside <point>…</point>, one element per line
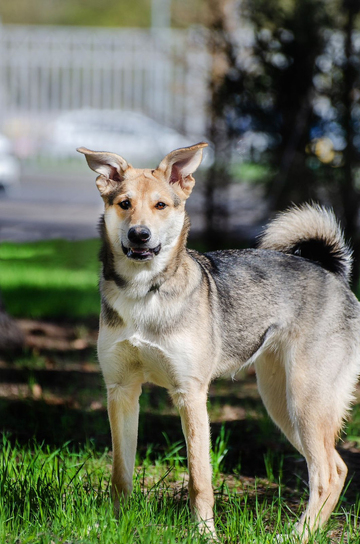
<point>109,316</point>
<point>106,257</point>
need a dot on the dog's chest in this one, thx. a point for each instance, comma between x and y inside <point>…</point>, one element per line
<point>141,317</point>
<point>144,337</point>
<point>125,350</point>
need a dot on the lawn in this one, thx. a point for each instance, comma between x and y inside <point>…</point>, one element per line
<point>55,454</point>
<point>63,496</point>
<point>54,278</point>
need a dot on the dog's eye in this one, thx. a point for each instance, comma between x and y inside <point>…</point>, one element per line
<point>125,204</point>
<point>160,205</point>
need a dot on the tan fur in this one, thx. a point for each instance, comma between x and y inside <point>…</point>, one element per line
<point>179,319</point>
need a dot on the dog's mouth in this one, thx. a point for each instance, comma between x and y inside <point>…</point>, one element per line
<point>141,254</point>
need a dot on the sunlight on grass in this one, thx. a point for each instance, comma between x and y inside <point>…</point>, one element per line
<point>58,495</point>
<point>54,278</point>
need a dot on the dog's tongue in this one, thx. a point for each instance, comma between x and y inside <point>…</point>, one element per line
<point>138,253</point>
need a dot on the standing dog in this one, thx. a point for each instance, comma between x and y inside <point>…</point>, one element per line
<point>179,319</point>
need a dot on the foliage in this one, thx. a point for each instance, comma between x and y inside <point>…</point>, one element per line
<point>106,13</point>
<point>290,100</point>
<point>69,12</point>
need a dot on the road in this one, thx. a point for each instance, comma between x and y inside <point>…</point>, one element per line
<point>46,207</point>
<point>61,206</point>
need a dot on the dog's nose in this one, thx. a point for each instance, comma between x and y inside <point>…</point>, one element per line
<point>139,235</point>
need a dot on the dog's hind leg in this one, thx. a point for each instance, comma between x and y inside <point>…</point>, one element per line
<point>317,404</point>
<point>195,425</point>
<point>271,381</point>
<point>301,406</point>
<point>123,410</point>
<point>327,473</point>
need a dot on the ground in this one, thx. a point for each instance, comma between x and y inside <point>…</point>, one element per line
<point>55,393</point>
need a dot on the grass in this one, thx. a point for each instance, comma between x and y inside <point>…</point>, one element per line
<point>62,496</point>
<point>55,278</point>
<point>250,172</point>
<point>55,487</point>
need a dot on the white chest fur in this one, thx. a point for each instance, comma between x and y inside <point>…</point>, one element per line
<point>143,341</point>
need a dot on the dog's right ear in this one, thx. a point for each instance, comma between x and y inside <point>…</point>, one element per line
<point>110,166</point>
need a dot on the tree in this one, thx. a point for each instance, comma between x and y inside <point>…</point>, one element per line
<point>298,86</point>
<point>11,337</point>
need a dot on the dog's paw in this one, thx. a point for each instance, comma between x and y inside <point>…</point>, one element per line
<point>207,530</point>
<point>292,538</point>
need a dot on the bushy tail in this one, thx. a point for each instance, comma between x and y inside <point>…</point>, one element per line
<point>312,232</point>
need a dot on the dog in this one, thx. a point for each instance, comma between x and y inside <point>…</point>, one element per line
<point>179,319</point>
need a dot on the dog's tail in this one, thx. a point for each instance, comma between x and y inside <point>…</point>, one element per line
<point>312,232</point>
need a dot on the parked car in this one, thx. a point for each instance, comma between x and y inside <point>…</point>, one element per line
<point>9,166</point>
<point>138,138</point>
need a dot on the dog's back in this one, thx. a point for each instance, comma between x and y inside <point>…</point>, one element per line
<point>296,281</point>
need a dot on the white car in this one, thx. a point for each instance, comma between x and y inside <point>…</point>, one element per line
<point>9,166</point>
<point>136,137</point>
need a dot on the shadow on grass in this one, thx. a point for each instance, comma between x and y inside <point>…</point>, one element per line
<point>64,411</point>
<point>76,412</point>
<point>46,301</point>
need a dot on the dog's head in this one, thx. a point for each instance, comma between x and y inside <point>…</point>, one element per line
<point>144,209</point>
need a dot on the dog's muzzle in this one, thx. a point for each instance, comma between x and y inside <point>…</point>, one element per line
<point>141,253</point>
<point>139,236</point>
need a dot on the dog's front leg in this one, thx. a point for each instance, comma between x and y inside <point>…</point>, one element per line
<point>195,424</point>
<point>123,410</point>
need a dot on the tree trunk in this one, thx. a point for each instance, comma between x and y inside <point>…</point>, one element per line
<point>11,336</point>
<point>349,194</point>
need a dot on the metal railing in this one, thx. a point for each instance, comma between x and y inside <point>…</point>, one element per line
<point>46,70</point>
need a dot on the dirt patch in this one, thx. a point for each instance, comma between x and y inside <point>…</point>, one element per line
<point>45,335</point>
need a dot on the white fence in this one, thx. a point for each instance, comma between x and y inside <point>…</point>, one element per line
<point>48,70</point>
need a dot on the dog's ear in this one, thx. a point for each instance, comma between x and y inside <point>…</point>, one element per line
<point>110,166</point>
<point>179,165</point>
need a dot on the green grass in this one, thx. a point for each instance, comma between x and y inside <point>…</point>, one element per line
<point>60,493</point>
<point>55,278</point>
<point>61,496</point>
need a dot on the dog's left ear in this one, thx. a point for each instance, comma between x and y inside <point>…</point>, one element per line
<point>179,165</point>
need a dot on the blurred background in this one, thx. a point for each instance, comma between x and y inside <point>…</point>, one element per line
<point>272,85</point>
